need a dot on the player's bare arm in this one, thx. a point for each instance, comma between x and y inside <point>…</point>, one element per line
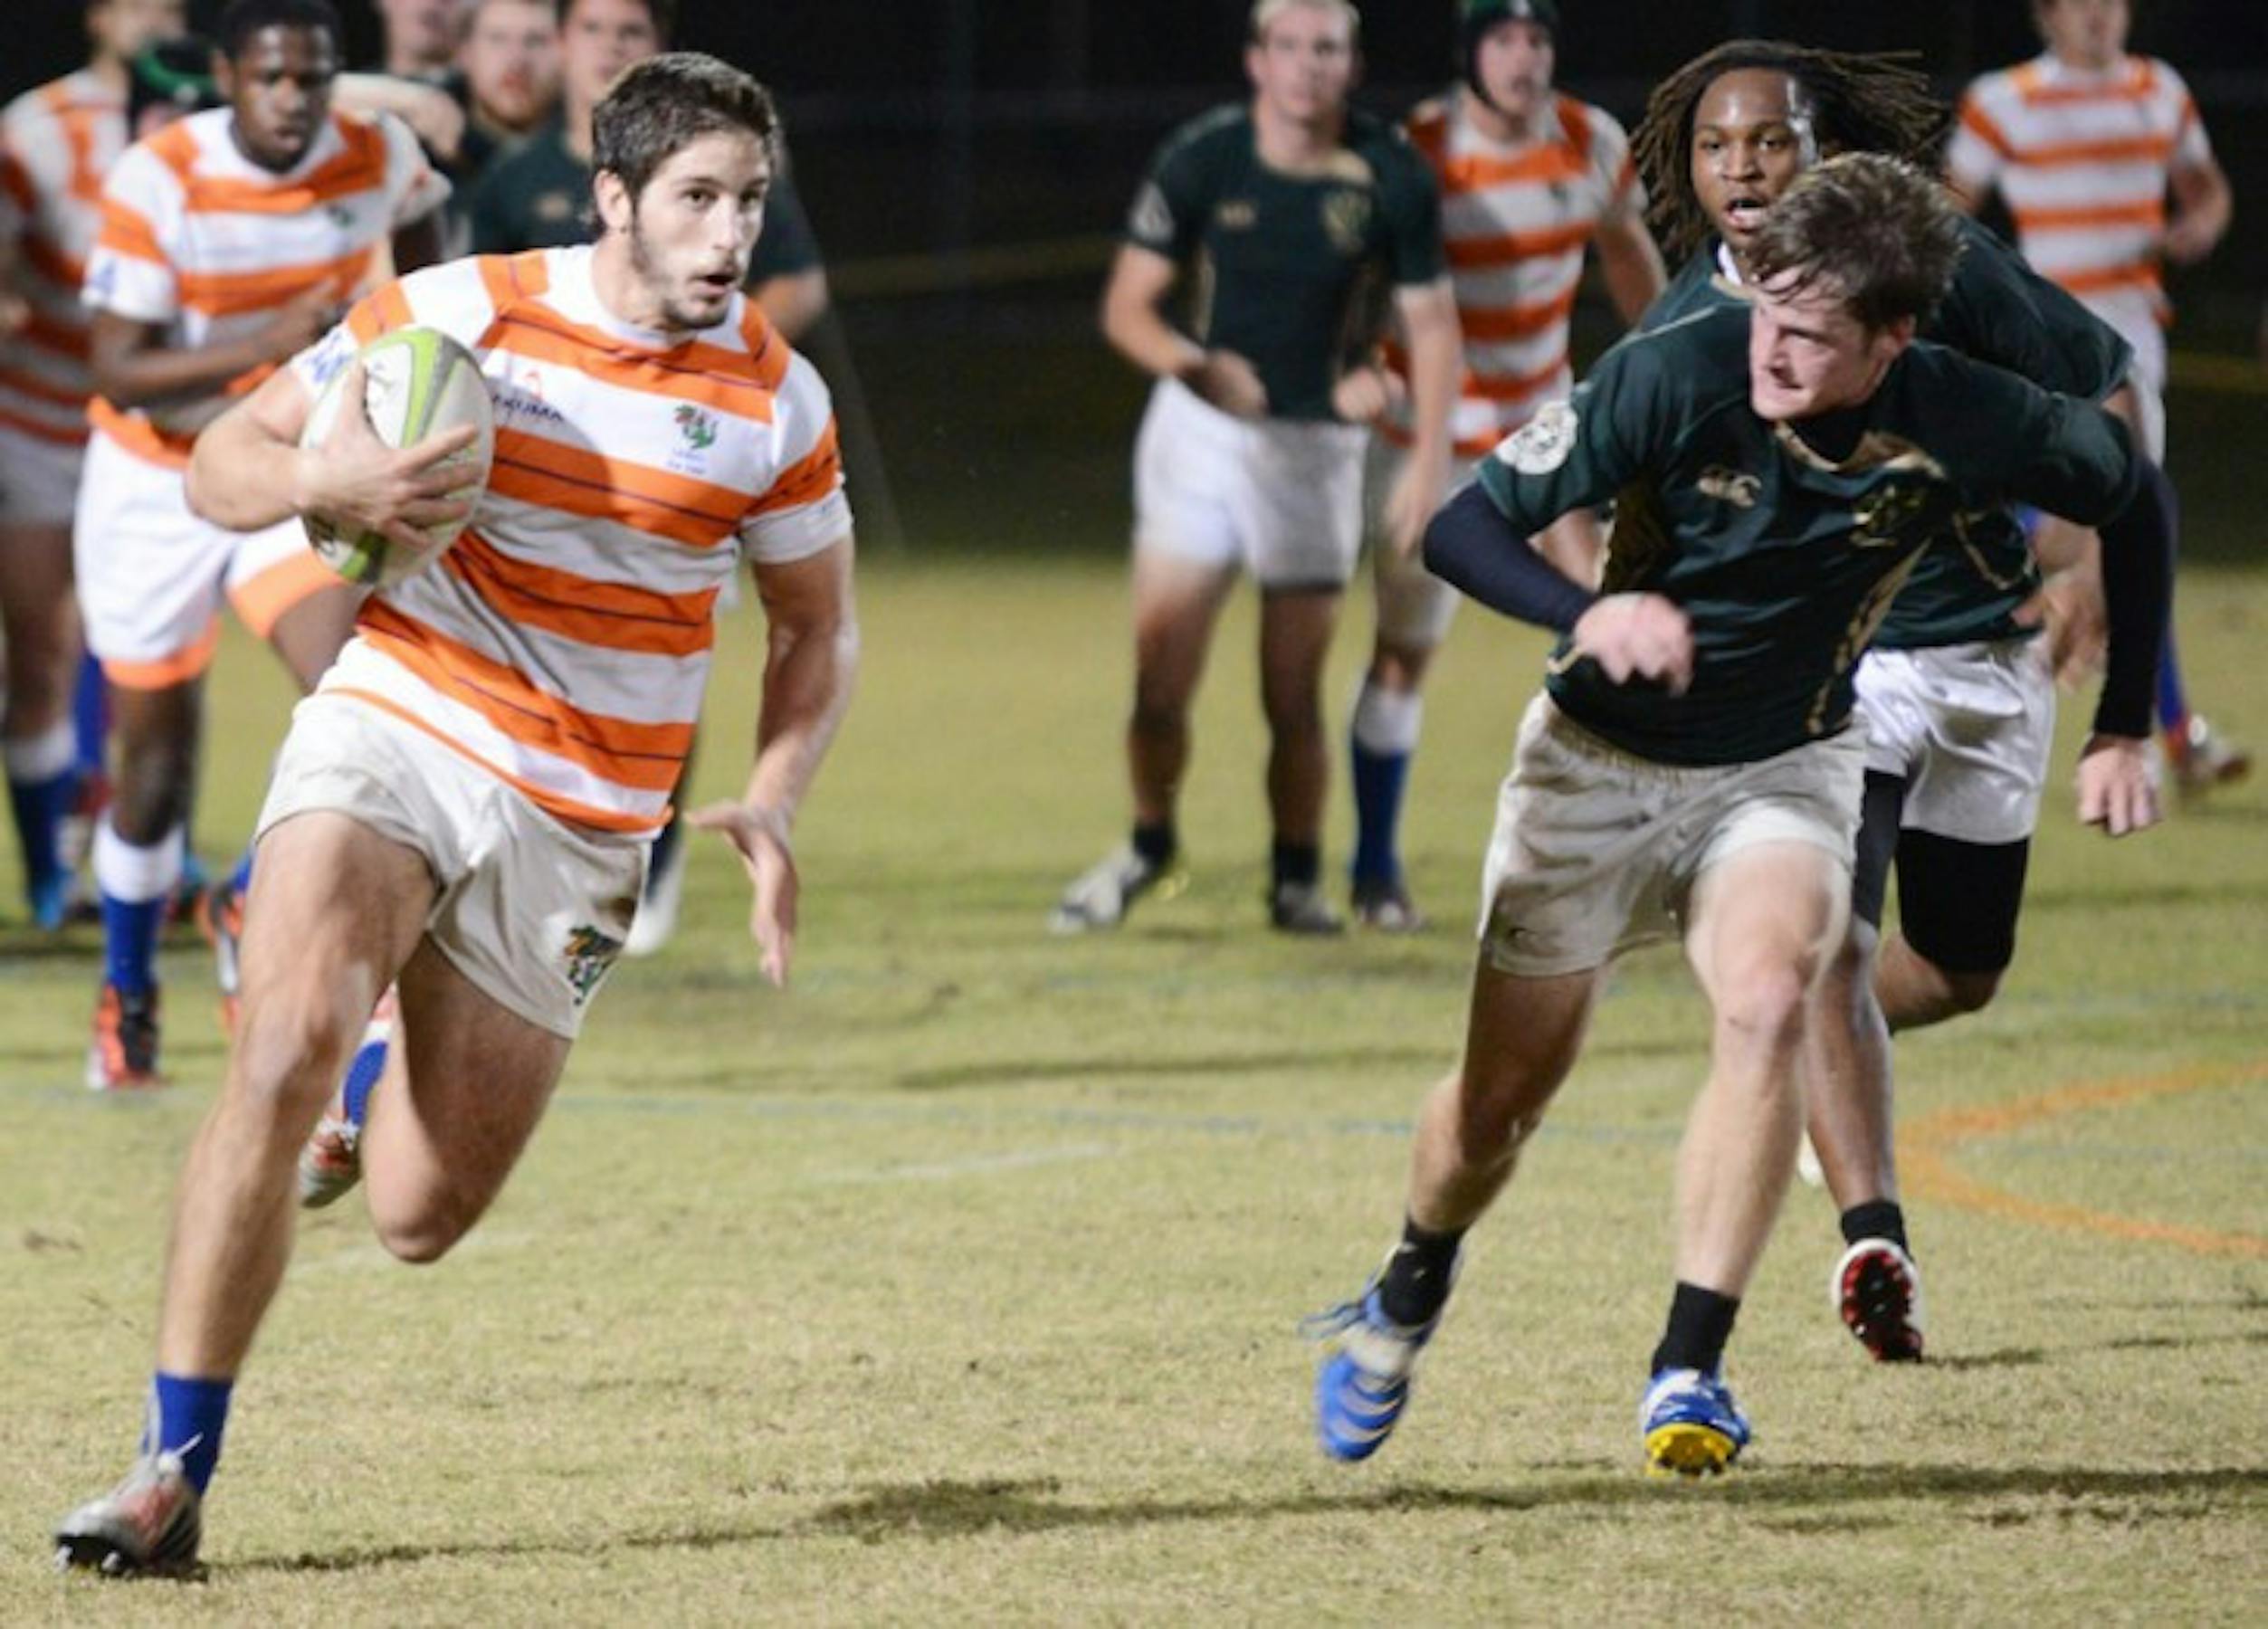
<point>1429,317</point>
<point>1630,264</point>
<point>811,663</point>
<point>2202,206</point>
<point>352,479</point>
<point>135,367</point>
<point>1134,322</point>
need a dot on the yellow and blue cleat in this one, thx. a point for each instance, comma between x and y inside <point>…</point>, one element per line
<point>1690,1425</point>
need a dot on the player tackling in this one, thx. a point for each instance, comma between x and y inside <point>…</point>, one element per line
<point>464,807</point>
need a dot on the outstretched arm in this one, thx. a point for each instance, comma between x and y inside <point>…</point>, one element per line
<point>810,666</point>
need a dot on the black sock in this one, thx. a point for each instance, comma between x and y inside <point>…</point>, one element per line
<point>1155,843</point>
<point>1701,1322</point>
<point>1876,1219</point>
<point>1418,1274</point>
<point>1295,864</point>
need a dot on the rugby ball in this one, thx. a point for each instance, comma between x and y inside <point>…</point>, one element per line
<point>417,381</point>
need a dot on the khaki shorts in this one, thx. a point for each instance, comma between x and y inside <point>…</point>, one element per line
<point>1968,728</point>
<point>1281,498</point>
<point>1596,850</point>
<point>532,910</point>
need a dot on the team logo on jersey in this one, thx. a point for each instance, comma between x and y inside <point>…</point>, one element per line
<point>1736,487</point>
<point>335,351</point>
<point>1887,516</point>
<point>698,427</point>
<point>1346,219</point>
<point>1237,214</point>
<point>1151,220</point>
<point>588,953</point>
<point>1541,444</point>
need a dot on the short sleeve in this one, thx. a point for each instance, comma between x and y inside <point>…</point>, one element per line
<point>1977,149</point>
<point>2192,149</point>
<point>1622,196</point>
<point>1580,452</point>
<point>1169,208</point>
<point>1413,216</point>
<point>803,510</point>
<point>131,272</point>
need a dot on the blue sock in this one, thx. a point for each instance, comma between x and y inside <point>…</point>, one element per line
<point>129,942</point>
<point>187,1417</point>
<point>91,715</point>
<point>2173,706</point>
<point>1379,779</point>
<point>362,1073</point>
<point>240,880</point>
<point>40,807</point>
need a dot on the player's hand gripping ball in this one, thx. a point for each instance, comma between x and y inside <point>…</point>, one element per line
<point>417,382</point>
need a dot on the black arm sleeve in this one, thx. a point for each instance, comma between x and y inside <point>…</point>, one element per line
<point>1470,545</point>
<point>2137,558</point>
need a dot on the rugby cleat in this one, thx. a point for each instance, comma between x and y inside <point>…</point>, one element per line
<point>1301,908</point>
<point>1690,1423</point>
<point>123,1056</point>
<point>1384,905</point>
<point>149,1524</point>
<point>2202,757</point>
<point>330,1161</point>
<point>1106,891</point>
<point>1877,1288</point>
<point>1364,1382</point>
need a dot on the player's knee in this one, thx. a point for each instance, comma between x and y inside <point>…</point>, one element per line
<point>1762,1013</point>
<point>288,1053</point>
<point>416,1241</point>
<point>1967,992</point>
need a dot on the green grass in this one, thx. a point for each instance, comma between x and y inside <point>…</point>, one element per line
<point>960,1282</point>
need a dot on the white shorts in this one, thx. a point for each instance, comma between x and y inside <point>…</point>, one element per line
<point>1281,498</point>
<point>152,575</point>
<point>532,910</point>
<point>1968,728</point>
<point>1414,607</point>
<point>39,480</point>
<point>1596,850</point>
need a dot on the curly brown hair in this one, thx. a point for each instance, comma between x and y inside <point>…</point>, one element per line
<point>1861,103</point>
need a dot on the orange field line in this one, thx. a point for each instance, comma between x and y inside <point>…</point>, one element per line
<point>1926,1147</point>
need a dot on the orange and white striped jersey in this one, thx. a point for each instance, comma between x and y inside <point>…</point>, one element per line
<point>199,238</point>
<point>56,145</point>
<point>2083,159</point>
<point>1515,220</point>
<point>564,642</point>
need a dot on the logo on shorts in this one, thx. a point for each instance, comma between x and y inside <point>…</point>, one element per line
<point>589,953</point>
<point>1541,444</point>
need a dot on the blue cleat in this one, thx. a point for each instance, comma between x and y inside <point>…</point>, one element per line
<point>1690,1425</point>
<point>1364,1383</point>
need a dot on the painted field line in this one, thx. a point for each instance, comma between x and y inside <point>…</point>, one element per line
<point>976,1165</point>
<point>1926,1147</point>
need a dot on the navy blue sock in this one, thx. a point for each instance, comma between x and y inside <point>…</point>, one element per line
<point>40,807</point>
<point>1379,779</point>
<point>89,715</point>
<point>130,942</point>
<point>2173,705</point>
<point>187,1417</point>
<point>1701,1322</point>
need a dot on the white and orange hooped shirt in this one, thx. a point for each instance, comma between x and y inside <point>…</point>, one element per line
<point>1515,222</point>
<point>57,143</point>
<point>564,642</point>
<point>2083,160</point>
<point>197,237</point>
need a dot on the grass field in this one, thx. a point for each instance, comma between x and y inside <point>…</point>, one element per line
<point>961,1283</point>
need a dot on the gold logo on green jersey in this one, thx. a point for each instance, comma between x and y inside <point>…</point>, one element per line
<point>1346,219</point>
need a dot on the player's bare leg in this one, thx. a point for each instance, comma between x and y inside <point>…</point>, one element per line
<point>39,620</point>
<point>1295,636</point>
<point>450,1119</point>
<point>335,911</point>
<point>1915,992</point>
<point>1177,604</point>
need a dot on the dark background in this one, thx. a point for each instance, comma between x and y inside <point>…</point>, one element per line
<point>966,162</point>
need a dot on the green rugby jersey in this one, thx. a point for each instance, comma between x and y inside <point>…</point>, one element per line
<point>1289,271</point>
<point>1783,556</point>
<point>1999,310</point>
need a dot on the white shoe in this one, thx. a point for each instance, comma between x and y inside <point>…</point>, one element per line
<point>1101,895</point>
<point>1807,1166</point>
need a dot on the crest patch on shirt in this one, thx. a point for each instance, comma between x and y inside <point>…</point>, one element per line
<point>1541,444</point>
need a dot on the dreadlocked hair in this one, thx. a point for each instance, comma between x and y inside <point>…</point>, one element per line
<point>1869,103</point>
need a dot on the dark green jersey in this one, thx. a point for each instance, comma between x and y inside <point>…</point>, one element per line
<point>1784,556</point>
<point>1289,271</point>
<point>1999,311</point>
<point>538,196</point>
